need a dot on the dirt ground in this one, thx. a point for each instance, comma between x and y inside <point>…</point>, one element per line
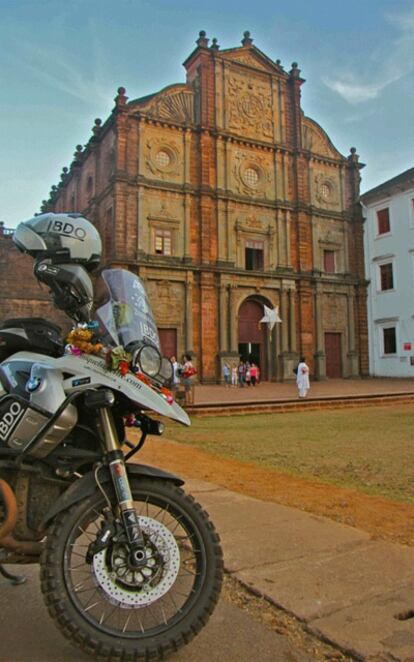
<point>382,518</point>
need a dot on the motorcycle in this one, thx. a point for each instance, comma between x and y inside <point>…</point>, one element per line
<point>130,566</point>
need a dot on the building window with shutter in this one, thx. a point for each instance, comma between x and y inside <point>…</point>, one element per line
<point>329,262</point>
<point>386,277</point>
<point>389,340</point>
<point>383,221</point>
<point>254,255</point>
<point>162,242</point>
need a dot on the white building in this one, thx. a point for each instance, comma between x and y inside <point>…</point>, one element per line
<point>389,266</point>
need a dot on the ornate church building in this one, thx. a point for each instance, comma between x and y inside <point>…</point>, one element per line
<point>223,196</point>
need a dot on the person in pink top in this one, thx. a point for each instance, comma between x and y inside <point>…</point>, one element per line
<point>253,374</point>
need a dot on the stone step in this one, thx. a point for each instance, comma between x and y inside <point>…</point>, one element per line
<point>308,404</point>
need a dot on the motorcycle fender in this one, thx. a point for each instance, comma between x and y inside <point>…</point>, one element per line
<point>84,487</point>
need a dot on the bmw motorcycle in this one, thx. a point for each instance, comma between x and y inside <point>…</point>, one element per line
<point>130,566</point>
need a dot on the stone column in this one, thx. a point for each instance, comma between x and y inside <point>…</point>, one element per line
<point>320,357</point>
<point>189,312</point>
<point>285,319</point>
<point>187,223</point>
<point>221,231</point>
<point>281,229</point>
<point>226,354</point>
<point>223,314</point>
<point>287,235</point>
<point>143,246</point>
<point>352,355</point>
<point>233,318</point>
<point>187,154</point>
<point>292,321</point>
<point>287,358</point>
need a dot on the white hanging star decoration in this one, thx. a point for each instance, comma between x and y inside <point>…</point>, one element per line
<point>271,317</point>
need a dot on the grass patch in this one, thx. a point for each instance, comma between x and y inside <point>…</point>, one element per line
<point>370,449</point>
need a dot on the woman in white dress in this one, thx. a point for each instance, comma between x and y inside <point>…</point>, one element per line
<point>302,378</point>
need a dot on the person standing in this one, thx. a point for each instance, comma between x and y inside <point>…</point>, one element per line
<point>247,374</point>
<point>253,374</point>
<point>176,373</point>
<point>241,369</point>
<point>302,378</point>
<point>187,374</point>
<point>234,376</point>
<point>226,374</point>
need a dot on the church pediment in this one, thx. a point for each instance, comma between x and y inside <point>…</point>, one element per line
<point>252,57</point>
<point>175,104</point>
<point>315,140</point>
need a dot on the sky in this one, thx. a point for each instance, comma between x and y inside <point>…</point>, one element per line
<point>61,62</point>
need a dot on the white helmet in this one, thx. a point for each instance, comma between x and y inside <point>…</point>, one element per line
<point>65,238</point>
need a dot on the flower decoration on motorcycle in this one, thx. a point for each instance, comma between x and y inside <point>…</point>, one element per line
<point>81,340</point>
<point>118,359</point>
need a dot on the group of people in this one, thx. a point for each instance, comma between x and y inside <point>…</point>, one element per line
<point>247,374</point>
<point>242,374</point>
<point>184,373</point>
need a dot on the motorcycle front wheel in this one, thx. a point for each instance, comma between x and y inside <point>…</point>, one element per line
<point>114,610</point>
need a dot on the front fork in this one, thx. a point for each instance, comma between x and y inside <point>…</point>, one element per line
<point>120,481</point>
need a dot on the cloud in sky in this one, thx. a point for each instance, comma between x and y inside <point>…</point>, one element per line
<point>387,65</point>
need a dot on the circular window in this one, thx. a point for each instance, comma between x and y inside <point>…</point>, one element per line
<point>325,191</point>
<point>251,177</point>
<point>162,159</point>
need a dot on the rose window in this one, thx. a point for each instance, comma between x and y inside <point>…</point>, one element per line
<point>162,159</point>
<point>325,191</point>
<point>251,177</point>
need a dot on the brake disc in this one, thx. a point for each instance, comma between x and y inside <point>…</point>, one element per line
<point>143,585</point>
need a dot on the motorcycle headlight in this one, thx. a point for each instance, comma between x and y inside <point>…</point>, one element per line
<point>166,370</point>
<point>148,360</point>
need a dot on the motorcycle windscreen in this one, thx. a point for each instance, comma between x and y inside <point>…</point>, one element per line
<point>126,315</point>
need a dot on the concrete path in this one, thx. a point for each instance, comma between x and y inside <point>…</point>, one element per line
<point>356,592</point>
<point>27,633</point>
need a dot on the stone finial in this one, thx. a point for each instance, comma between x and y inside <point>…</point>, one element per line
<point>96,127</point>
<point>121,99</point>
<point>247,40</point>
<point>77,156</point>
<point>214,46</point>
<point>202,40</point>
<point>295,71</point>
<point>63,174</point>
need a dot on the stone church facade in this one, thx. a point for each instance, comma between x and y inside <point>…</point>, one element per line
<point>223,196</point>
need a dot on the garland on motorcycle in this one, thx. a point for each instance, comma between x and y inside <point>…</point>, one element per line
<point>131,566</point>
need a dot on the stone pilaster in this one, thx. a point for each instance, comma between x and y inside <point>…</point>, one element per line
<point>320,356</point>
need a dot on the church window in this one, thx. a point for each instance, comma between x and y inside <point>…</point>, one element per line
<point>162,242</point>
<point>386,277</point>
<point>254,254</point>
<point>383,221</point>
<point>329,262</point>
<point>162,159</point>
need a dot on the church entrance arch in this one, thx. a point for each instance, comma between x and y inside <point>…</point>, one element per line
<point>252,336</point>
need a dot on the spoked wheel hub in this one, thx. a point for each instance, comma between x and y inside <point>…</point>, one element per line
<point>132,585</point>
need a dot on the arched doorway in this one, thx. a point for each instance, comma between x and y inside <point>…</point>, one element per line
<point>252,336</point>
